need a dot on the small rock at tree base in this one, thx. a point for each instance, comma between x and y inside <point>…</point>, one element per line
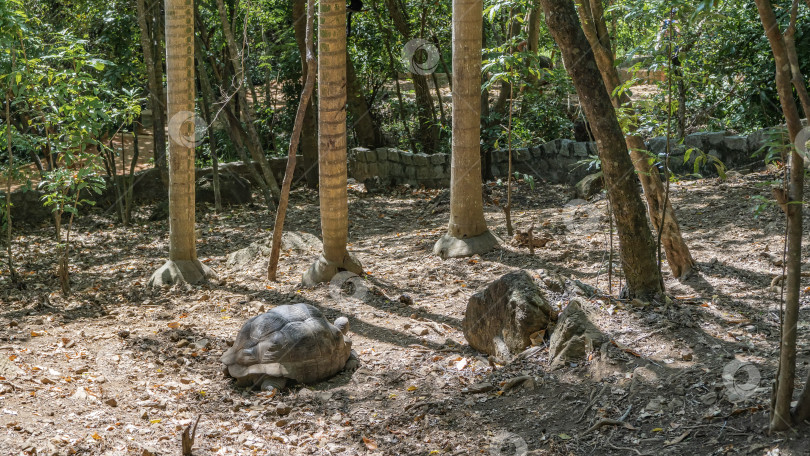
<point>501,317</point>
<point>575,335</point>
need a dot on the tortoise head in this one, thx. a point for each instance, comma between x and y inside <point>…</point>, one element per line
<point>342,323</point>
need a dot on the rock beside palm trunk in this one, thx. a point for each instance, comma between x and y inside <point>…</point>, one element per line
<point>501,317</point>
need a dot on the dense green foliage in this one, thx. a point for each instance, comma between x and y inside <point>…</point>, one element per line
<point>725,62</point>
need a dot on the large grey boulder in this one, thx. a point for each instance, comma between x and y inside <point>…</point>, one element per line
<point>233,189</point>
<point>27,207</point>
<point>589,185</point>
<point>257,252</point>
<point>575,335</point>
<point>501,317</point>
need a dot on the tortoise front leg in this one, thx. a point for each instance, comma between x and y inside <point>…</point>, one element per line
<point>272,384</point>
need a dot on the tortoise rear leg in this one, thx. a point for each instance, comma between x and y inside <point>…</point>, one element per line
<point>352,363</point>
<point>272,384</point>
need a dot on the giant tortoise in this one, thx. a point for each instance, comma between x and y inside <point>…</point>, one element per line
<point>289,342</point>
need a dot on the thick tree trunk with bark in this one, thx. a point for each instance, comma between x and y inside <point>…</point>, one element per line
<point>467,232</point>
<point>635,238</point>
<point>154,77</point>
<point>332,145</point>
<point>183,265</point>
<point>781,418</point>
<point>309,132</point>
<point>679,258</point>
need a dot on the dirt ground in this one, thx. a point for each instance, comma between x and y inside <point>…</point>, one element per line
<point>117,369</point>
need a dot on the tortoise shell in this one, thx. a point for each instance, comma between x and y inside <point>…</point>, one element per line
<point>291,341</point>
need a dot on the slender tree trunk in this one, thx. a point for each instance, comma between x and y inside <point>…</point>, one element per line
<point>306,94</point>
<point>254,143</point>
<point>637,247</point>
<point>148,20</point>
<point>446,69</point>
<point>486,139</point>
<point>131,178</point>
<point>332,145</point>
<point>534,28</point>
<point>368,133</point>
<point>395,74</point>
<point>183,265</point>
<point>467,233</point>
<point>9,236</point>
<point>678,256</point>
<point>207,99</point>
<point>795,69</point>
<point>781,418</point>
<point>235,131</point>
<point>425,112</point>
<point>437,87</point>
<point>309,132</point>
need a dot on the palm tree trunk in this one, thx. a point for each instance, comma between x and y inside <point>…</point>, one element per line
<point>467,232</point>
<point>332,145</point>
<point>635,238</point>
<point>183,265</point>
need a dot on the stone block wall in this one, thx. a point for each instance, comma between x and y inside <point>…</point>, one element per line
<point>395,167</point>
<point>561,161</point>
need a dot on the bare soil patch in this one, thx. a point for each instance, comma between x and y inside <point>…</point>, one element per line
<point>116,369</point>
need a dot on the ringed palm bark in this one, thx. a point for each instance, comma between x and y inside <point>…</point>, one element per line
<point>635,238</point>
<point>467,232</point>
<point>332,145</point>
<point>183,265</point>
<point>591,15</point>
